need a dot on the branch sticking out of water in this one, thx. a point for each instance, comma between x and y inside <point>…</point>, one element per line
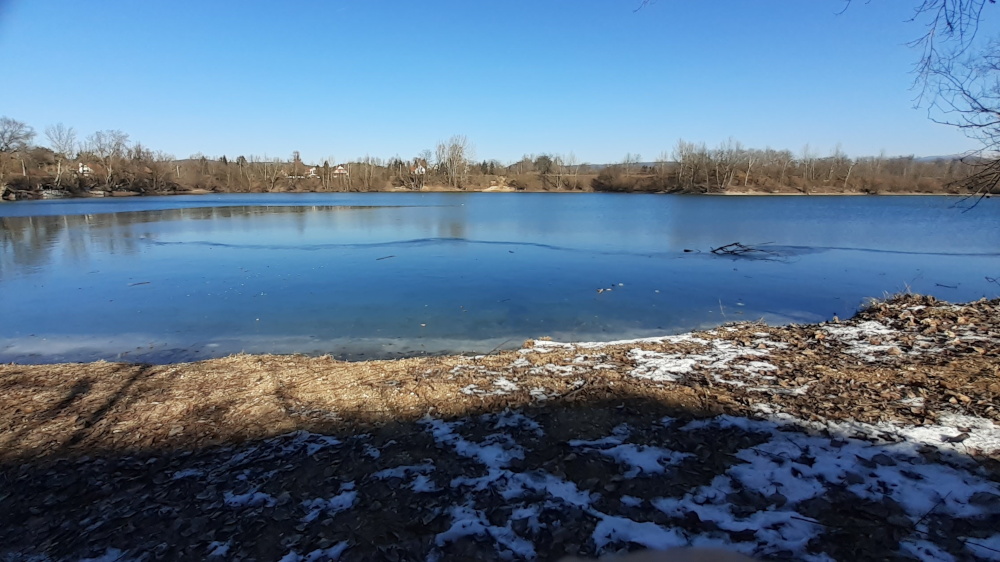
<point>744,251</point>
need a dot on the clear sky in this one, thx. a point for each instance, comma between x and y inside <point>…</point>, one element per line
<point>385,77</point>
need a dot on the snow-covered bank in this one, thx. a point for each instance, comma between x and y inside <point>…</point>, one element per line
<point>497,486</point>
<point>868,439</point>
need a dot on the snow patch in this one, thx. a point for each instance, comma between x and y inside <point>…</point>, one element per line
<point>403,471</point>
<point>640,459</point>
<point>868,340</point>
<point>719,356</point>
<point>217,548</point>
<point>110,555</point>
<point>613,529</point>
<point>330,506</point>
<point>187,473</point>
<point>249,499</point>
<point>496,451</point>
<point>467,521</point>
<point>503,386</point>
<point>332,553</point>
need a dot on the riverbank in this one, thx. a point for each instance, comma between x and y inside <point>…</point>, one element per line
<point>865,439</point>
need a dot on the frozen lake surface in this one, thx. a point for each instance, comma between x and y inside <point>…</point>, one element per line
<point>359,276</point>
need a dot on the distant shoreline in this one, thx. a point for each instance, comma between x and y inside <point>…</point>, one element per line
<point>98,194</point>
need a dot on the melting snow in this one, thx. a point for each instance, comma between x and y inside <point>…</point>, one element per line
<point>497,450</point>
<point>868,340</point>
<point>880,463</point>
<point>467,521</point>
<point>332,553</point>
<point>619,529</point>
<point>341,502</point>
<point>640,459</point>
<point>249,499</point>
<point>717,357</point>
<point>217,548</point>
<point>403,471</point>
<point>110,555</point>
<point>502,384</point>
<point>187,473</point>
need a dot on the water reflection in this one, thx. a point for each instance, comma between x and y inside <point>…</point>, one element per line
<point>29,243</point>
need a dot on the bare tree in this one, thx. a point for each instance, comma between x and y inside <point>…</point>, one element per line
<point>245,171</point>
<point>693,160</point>
<point>808,164</point>
<point>109,147</point>
<point>630,163</point>
<point>14,135</point>
<point>268,169</point>
<point>158,166</point>
<point>726,158</point>
<point>324,174</point>
<point>573,168</point>
<point>958,79</point>
<point>62,139</point>
<point>750,157</point>
<point>786,159</point>
<point>367,167</point>
<point>838,162</point>
<point>967,96</point>
<point>453,159</point>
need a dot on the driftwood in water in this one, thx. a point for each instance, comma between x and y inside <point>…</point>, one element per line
<point>734,249</point>
<point>741,250</point>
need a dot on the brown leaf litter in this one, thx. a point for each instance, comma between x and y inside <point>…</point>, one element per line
<point>905,360</point>
<point>174,461</point>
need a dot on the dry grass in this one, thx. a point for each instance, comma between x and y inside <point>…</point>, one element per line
<point>66,409</point>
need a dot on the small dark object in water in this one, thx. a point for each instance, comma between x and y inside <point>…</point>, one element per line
<point>740,250</point>
<point>734,249</point>
<point>384,258</point>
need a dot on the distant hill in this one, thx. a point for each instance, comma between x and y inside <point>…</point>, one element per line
<point>938,158</point>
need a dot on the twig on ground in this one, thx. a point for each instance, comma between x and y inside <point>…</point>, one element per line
<point>939,502</point>
<point>497,348</point>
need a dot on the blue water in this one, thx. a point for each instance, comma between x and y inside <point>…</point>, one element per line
<point>163,279</point>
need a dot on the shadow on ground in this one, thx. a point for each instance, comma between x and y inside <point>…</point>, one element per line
<point>584,477</point>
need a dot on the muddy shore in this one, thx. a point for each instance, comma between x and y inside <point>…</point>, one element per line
<point>871,438</point>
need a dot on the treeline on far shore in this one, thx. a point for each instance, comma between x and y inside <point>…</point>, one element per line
<point>109,162</point>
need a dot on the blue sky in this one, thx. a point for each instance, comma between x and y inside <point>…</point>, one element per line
<point>385,77</point>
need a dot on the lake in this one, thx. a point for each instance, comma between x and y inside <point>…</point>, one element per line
<point>360,276</point>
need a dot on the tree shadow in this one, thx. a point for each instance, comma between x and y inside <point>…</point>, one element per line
<point>84,405</point>
<point>554,478</point>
